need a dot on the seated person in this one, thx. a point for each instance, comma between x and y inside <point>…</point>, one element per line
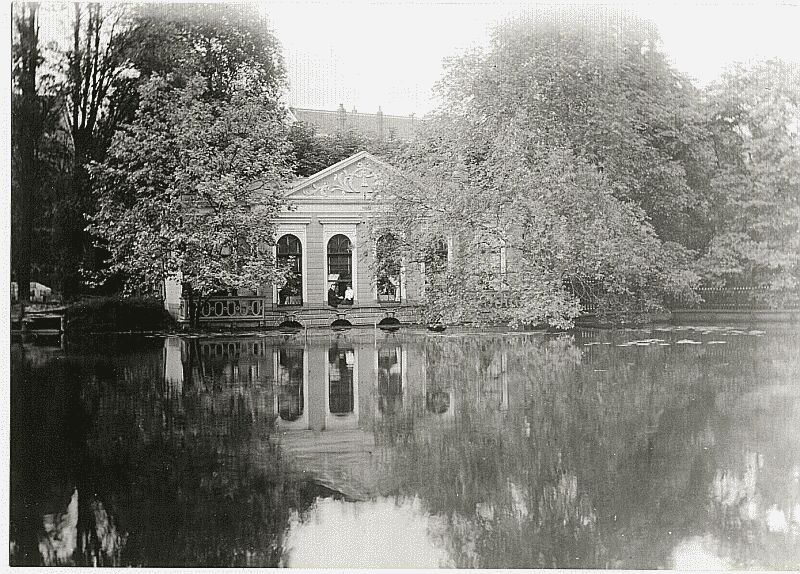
<point>283,294</point>
<point>333,298</point>
<point>349,294</point>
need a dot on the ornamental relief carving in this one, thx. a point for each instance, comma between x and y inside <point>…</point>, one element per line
<point>359,178</point>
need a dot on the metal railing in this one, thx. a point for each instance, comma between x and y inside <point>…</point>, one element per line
<point>746,298</point>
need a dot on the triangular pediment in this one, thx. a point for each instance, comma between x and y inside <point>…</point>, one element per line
<point>358,177</point>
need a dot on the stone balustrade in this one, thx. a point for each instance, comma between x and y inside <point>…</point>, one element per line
<point>227,309</point>
<point>260,311</point>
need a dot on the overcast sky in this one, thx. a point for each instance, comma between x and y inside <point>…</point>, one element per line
<point>389,54</point>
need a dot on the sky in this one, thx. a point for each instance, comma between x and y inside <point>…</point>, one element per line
<point>389,54</point>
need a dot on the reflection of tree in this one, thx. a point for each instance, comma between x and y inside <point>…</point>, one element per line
<point>754,500</point>
<point>158,479</point>
<point>605,459</point>
<point>390,382</point>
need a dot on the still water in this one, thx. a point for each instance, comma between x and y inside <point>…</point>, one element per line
<point>662,448</point>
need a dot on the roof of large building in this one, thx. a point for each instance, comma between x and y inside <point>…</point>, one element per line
<point>377,125</point>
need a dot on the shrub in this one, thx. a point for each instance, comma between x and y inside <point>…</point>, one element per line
<point>106,314</point>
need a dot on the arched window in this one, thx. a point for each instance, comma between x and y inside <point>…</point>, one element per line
<point>290,257</point>
<point>388,268</point>
<point>340,264</point>
<point>290,384</point>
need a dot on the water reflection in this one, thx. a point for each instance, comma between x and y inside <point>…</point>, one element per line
<point>341,365</point>
<point>597,449</point>
<point>339,534</point>
<point>390,379</point>
<point>291,382</point>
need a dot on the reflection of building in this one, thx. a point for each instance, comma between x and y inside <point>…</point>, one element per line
<point>341,407</point>
<point>391,379</point>
<point>333,404</point>
<point>291,388</point>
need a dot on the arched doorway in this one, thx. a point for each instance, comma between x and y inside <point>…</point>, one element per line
<point>290,257</point>
<point>388,268</point>
<point>340,265</point>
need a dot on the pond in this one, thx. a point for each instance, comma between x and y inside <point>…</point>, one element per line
<point>671,447</point>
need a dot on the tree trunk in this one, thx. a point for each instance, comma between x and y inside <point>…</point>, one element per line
<point>26,129</point>
<point>194,301</point>
<point>88,79</point>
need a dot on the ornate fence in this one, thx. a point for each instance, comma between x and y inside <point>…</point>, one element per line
<point>227,309</point>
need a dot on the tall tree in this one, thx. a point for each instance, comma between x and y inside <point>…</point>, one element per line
<point>98,57</point>
<point>26,127</point>
<point>754,114</point>
<point>115,48</point>
<point>226,44</point>
<point>509,168</point>
<point>40,151</point>
<point>598,83</point>
<point>187,191</point>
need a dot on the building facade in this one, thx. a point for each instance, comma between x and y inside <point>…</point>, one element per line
<point>326,243</point>
<point>384,127</point>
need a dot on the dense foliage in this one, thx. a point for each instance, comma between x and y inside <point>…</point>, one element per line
<point>754,114</point>
<point>571,143</point>
<point>90,79</point>
<point>536,215</point>
<point>314,152</point>
<point>189,189</point>
<point>597,84</point>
